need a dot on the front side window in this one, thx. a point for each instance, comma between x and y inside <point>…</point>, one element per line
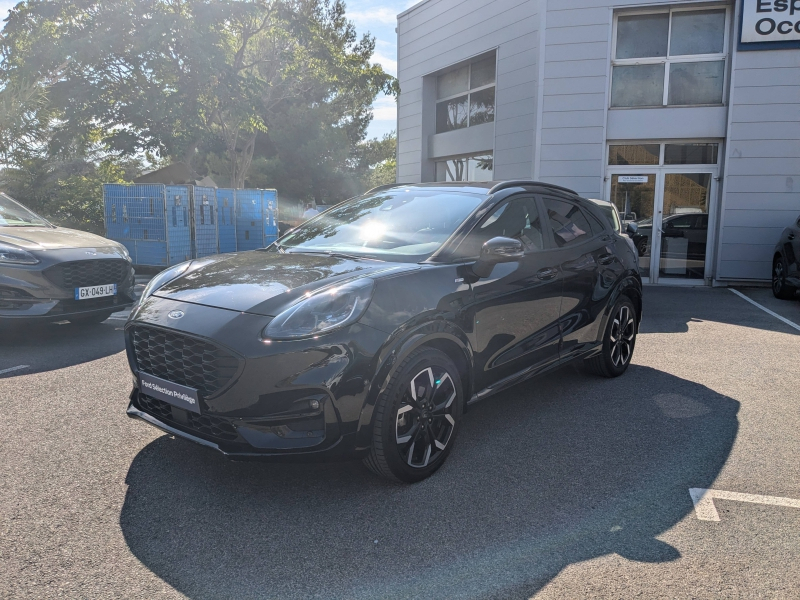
<point>517,218</point>
<point>466,168</point>
<point>400,224</point>
<point>13,214</point>
<point>570,226</point>
<point>465,96</point>
<point>670,58</point>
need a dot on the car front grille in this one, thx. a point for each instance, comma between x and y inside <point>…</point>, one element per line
<point>204,425</point>
<point>83,273</point>
<point>183,359</point>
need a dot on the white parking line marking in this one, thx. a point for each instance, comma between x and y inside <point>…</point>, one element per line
<point>706,511</point>
<point>12,369</point>
<point>766,310</point>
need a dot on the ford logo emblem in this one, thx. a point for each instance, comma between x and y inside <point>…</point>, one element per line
<point>176,314</point>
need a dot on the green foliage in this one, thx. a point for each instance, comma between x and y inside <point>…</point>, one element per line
<point>270,93</point>
<point>69,193</point>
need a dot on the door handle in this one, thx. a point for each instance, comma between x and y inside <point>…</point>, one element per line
<point>606,259</point>
<point>547,274</point>
<point>791,236</point>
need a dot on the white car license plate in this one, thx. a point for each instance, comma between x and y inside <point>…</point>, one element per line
<point>95,291</point>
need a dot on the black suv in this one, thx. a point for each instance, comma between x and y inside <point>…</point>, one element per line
<point>370,329</point>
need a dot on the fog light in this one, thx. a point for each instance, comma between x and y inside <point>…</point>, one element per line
<point>314,404</point>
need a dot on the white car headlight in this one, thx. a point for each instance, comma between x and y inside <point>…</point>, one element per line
<point>13,255</point>
<point>329,309</point>
<point>163,278</point>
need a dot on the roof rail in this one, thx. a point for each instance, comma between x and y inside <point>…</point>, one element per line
<point>380,188</point>
<point>526,182</point>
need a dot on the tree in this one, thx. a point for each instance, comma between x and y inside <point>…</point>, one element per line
<point>173,76</point>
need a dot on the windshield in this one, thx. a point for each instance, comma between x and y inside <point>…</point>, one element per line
<point>401,224</point>
<point>13,214</point>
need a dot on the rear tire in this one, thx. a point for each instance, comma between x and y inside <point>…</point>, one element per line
<point>416,418</point>
<point>780,289</point>
<point>619,341</point>
<point>88,320</point>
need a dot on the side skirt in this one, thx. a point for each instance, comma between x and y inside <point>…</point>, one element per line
<point>530,373</point>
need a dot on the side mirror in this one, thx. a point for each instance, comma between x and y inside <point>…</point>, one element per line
<point>497,250</point>
<point>632,229</point>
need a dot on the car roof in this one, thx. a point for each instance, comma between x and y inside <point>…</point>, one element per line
<point>486,187</point>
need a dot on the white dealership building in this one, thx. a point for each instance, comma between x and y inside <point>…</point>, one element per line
<point>684,114</point>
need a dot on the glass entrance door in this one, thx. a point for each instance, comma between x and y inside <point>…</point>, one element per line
<point>668,190</point>
<point>684,225</point>
<point>634,195</point>
<point>671,208</point>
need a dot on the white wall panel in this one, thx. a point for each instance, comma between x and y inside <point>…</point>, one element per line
<point>762,182</point>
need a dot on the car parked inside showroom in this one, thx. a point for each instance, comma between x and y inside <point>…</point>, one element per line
<point>369,330</point>
<point>786,263</point>
<point>50,273</point>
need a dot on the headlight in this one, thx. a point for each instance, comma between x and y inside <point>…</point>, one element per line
<point>329,309</point>
<point>163,278</point>
<point>12,255</point>
<point>125,252</point>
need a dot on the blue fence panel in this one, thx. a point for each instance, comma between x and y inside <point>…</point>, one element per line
<point>226,220</point>
<point>152,253</point>
<point>179,231</point>
<point>165,225</point>
<point>204,207</point>
<point>270,207</point>
<point>249,220</point>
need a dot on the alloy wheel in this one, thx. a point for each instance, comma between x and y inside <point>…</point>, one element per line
<point>623,333</point>
<point>777,277</point>
<point>424,422</point>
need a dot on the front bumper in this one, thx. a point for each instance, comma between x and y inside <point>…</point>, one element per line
<point>27,293</point>
<point>300,398</point>
<point>240,449</point>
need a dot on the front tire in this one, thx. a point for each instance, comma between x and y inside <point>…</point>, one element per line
<point>780,289</point>
<point>416,418</point>
<point>619,341</point>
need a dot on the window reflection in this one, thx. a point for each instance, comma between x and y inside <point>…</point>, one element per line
<point>466,168</point>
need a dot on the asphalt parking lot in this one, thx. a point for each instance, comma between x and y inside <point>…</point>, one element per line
<point>567,486</point>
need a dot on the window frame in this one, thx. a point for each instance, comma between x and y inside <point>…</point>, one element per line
<point>468,93</point>
<point>669,60</point>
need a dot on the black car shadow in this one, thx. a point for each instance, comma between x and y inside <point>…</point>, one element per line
<point>556,471</point>
<point>44,347</point>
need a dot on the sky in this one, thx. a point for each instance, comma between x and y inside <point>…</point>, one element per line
<point>379,18</point>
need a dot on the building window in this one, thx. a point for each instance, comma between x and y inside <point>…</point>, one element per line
<point>465,96</point>
<point>689,153</point>
<point>670,58</point>
<point>466,168</point>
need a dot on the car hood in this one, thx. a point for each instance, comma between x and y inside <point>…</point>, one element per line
<point>266,283</point>
<point>52,238</point>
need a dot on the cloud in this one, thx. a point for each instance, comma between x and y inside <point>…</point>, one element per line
<point>389,64</point>
<point>384,109</point>
<point>382,15</point>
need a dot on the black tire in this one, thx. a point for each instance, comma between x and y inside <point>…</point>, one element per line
<point>780,289</point>
<point>88,320</point>
<point>401,414</point>
<point>619,341</point>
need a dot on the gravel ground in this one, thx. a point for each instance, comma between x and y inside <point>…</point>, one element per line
<point>567,486</point>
